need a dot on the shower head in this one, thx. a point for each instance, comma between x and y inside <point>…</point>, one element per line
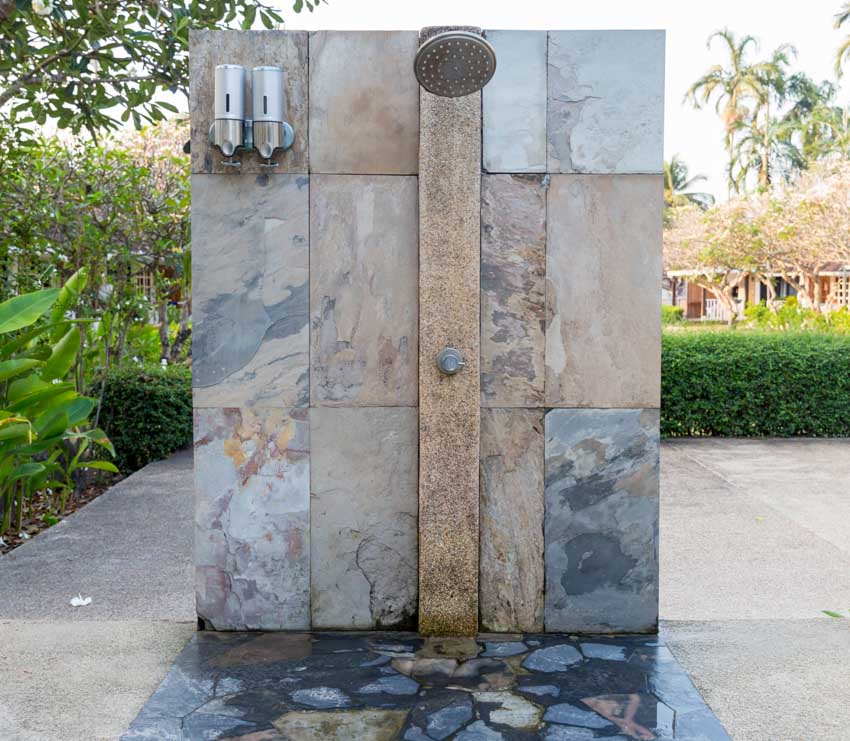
<point>454,63</point>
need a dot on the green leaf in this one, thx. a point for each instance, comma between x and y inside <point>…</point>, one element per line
<point>51,424</point>
<point>12,368</point>
<point>34,396</point>
<point>99,465</point>
<point>63,357</point>
<point>22,311</point>
<point>99,436</point>
<point>15,430</point>
<point>832,613</point>
<point>78,409</point>
<point>26,470</point>
<point>69,294</point>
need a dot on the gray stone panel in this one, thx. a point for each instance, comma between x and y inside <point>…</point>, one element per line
<point>513,265</point>
<point>603,280</point>
<point>364,102</point>
<point>286,49</point>
<point>364,507</point>
<point>250,290</point>
<point>363,295</point>
<point>514,112</point>
<point>252,518</point>
<point>606,101</point>
<point>601,522</point>
<point>511,520</point>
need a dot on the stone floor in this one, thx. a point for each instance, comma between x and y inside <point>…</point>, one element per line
<point>382,686</point>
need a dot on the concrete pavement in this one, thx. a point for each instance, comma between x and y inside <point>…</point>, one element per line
<point>74,673</point>
<point>755,543</point>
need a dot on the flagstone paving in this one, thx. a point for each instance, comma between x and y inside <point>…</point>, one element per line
<point>383,686</point>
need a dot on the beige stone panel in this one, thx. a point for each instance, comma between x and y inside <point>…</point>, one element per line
<point>363,511</point>
<point>363,293</point>
<point>511,512</point>
<point>603,283</point>
<point>364,102</point>
<point>513,270</point>
<point>285,49</point>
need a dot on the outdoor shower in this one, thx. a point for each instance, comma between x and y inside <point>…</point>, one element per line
<point>454,63</point>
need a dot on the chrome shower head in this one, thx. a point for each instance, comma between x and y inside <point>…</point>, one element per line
<point>454,63</point>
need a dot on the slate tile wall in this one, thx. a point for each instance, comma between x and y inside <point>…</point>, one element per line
<point>306,338</point>
<point>570,329</point>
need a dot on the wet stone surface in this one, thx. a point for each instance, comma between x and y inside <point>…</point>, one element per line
<point>382,686</point>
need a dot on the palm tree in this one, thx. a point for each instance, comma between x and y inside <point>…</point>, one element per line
<point>730,86</point>
<point>765,143</point>
<point>678,184</point>
<point>843,53</point>
<point>768,149</point>
<point>821,127</point>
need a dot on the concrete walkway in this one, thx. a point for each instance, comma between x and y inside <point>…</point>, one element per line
<point>73,673</point>
<point>755,543</point>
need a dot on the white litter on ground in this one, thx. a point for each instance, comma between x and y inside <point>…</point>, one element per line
<point>80,601</point>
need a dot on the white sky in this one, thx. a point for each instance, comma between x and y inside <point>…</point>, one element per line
<point>696,135</point>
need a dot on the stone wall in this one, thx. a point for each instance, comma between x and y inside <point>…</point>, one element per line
<point>307,286</point>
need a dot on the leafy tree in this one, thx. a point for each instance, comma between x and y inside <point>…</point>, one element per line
<point>731,86</point>
<point>90,64</point>
<point>678,185</point>
<point>765,144</point>
<point>121,212</point>
<point>795,232</point>
<point>843,53</point>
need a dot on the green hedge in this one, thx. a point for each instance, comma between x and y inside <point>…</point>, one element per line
<point>746,383</point>
<point>672,314</point>
<point>147,413</point>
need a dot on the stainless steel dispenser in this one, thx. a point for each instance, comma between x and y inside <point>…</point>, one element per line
<point>270,131</point>
<point>228,129</point>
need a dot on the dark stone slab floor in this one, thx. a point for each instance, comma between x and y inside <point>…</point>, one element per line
<point>384,686</point>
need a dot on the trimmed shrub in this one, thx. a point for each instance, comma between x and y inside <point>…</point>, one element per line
<point>671,314</point>
<point>147,413</point>
<point>749,383</point>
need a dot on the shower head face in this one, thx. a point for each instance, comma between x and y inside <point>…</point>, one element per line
<point>455,63</point>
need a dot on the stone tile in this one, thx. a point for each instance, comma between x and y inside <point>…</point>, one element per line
<point>603,276</point>
<point>571,715</point>
<point>637,714</point>
<point>252,518</point>
<point>514,103</point>
<point>250,271</point>
<point>601,525</point>
<point>364,102</point>
<point>286,49</point>
<point>479,731</point>
<point>332,725</point>
<point>363,290</point>
<point>449,430</point>
<point>513,271</point>
<point>442,713</point>
<point>556,658</point>
<point>321,697</point>
<point>508,709</point>
<point>606,101</point>
<point>511,520</point>
<point>225,683</point>
<point>363,514</point>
